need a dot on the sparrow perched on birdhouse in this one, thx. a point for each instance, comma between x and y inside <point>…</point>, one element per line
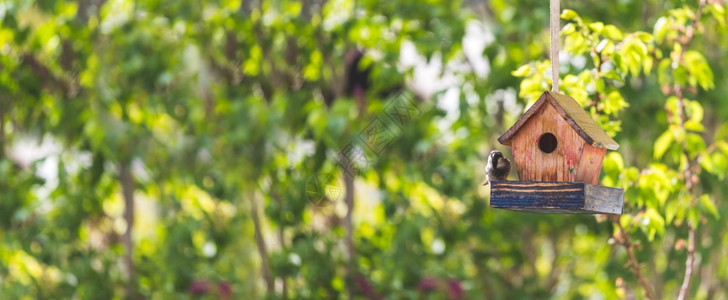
<point>498,167</point>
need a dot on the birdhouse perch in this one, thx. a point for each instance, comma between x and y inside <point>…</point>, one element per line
<point>558,152</point>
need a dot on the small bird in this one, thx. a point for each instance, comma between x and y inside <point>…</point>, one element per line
<point>498,167</point>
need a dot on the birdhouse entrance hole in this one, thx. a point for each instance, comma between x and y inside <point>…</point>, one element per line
<point>547,143</point>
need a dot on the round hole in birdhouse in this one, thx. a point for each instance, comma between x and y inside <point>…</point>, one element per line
<point>547,142</point>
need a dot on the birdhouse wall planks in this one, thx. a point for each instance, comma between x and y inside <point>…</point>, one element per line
<point>558,152</point>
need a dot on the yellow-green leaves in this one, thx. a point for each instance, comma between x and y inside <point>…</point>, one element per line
<point>312,70</point>
<point>576,44</point>
<point>633,53</point>
<point>707,205</point>
<point>614,103</point>
<point>535,81</point>
<point>652,223</point>
<point>718,12</point>
<point>522,71</point>
<point>666,140</point>
<point>715,163</point>
<point>662,27</point>
<point>612,32</point>
<point>252,64</point>
<point>659,190</point>
<point>568,14</point>
<point>699,72</point>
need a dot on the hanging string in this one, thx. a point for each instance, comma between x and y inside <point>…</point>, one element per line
<point>554,29</point>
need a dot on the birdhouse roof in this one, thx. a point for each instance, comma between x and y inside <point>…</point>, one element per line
<point>572,112</point>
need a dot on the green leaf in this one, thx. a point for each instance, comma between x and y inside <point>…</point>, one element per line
<point>695,111</point>
<point>662,144</point>
<point>599,85</point>
<point>522,71</point>
<point>613,163</point>
<point>568,29</point>
<point>614,103</point>
<point>647,64</point>
<point>671,208</point>
<point>706,204</point>
<point>596,27</point>
<point>694,126</point>
<point>718,12</point>
<point>568,14</point>
<point>612,32</point>
<point>576,44</point>
<point>698,69</point>
<point>723,146</point>
<point>654,222</point>
<point>612,74</point>
<point>661,27</point>
<point>695,144</point>
<point>663,72</point>
<point>644,36</point>
<point>714,163</point>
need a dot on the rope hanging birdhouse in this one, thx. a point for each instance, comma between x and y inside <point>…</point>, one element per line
<point>558,152</point>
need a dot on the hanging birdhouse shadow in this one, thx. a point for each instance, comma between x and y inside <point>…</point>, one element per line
<point>558,152</point>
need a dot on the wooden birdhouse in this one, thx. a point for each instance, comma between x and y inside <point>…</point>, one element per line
<point>558,152</point>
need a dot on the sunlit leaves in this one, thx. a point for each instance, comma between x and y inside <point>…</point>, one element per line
<point>652,223</point>
<point>576,44</point>
<point>223,103</point>
<point>698,70</point>
<point>252,64</point>
<point>658,192</point>
<point>633,53</point>
<point>715,162</point>
<point>663,143</point>
<point>614,103</point>
<point>694,111</point>
<point>522,71</point>
<point>614,56</point>
<point>568,14</point>
<point>662,27</point>
<point>718,12</point>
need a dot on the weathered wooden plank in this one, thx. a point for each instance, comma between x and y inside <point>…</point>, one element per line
<point>604,198</point>
<point>556,197</point>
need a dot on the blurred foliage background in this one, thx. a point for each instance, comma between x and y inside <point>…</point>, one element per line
<point>213,149</point>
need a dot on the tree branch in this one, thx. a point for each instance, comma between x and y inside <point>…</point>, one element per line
<point>348,224</point>
<point>260,243</point>
<point>2,131</point>
<point>690,260</point>
<point>127,189</point>
<point>689,265</point>
<point>623,239</point>
<point>282,241</point>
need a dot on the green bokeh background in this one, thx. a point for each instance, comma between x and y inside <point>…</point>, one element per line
<point>208,119</point>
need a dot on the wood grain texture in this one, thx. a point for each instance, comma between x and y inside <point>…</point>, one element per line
<point>604,198</point>
<point>572,113</point>
<point>590,164</point>
<point>531,163</point>
<point>556,197</point>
